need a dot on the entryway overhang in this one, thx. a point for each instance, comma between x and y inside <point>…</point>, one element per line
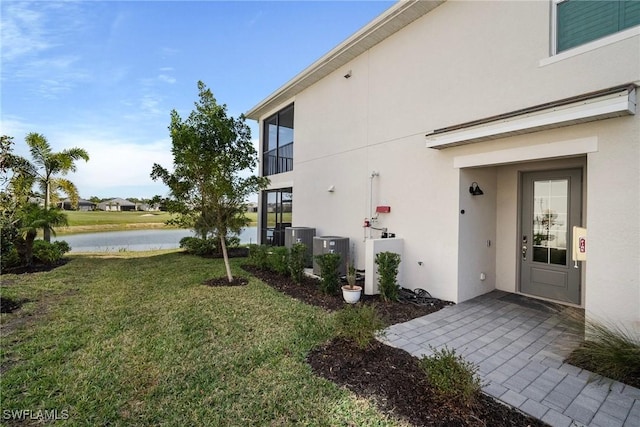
<point>612,102</point>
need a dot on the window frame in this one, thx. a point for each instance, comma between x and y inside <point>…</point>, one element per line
<point>266,143</point>
<point>585,47</point>
<point>277,230</point>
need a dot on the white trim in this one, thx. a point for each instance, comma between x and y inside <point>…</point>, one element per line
<point>554,26</point>
<point>611,105</point>
<point>278,185</point>
<point>593,45</point>
<point>567,148</point>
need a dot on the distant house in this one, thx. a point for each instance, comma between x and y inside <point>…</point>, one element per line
<point>252,207</point>
<point>38,200</point>
<point>148,207</point>
<point>83,205</point>
<point>118,204</point>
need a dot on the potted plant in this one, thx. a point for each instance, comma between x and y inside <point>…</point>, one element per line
<point>350,292</point>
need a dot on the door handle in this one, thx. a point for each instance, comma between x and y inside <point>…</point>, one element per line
<point>524,252</point>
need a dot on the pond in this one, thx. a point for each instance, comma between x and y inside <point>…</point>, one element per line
<point>137,240</point>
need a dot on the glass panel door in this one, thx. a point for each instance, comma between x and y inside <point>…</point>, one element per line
<point>550,207</point>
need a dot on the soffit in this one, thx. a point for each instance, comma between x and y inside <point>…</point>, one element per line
<point>395,18</point>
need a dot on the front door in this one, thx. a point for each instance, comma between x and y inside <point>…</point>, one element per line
<point>551,206</point>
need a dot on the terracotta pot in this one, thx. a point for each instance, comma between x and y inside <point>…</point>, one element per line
<point>351,296</point>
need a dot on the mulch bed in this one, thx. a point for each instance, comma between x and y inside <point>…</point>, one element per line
<point>308,292</point>
<point>389,376</point>
<point>392,378</point>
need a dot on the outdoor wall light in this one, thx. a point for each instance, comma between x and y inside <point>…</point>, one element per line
<point>475,189</point>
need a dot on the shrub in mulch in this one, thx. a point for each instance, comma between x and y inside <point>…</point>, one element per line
<point>224,281</point>
<point>394,380</point>
<point>308,291</point>
<point>389,376</point>
<point>234,252</point>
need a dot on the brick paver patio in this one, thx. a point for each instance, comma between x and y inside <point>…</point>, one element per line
<point>519,345</point>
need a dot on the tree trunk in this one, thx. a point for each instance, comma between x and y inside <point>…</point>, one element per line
<point>24,246</point>
<point>46,235</point>
<point>225,255</point>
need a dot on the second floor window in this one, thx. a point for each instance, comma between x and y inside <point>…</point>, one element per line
<point>277,156</point>
<point>581,21</point>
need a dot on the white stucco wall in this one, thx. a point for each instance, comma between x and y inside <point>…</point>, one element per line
<point>613,224</point>
<point>465,61</point>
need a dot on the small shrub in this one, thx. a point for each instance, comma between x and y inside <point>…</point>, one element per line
<point>10,259</point>
<point>611,351</point>
<point>359,324</point>
<point>279,260</point>
<point>49,253</point>
<point>8,234</point>
<point>62,246</point>
<point>330,278</point>
<point>454,377</point>
<point>259,256</point>
<point>297,261</point>
<point>206,247</point>
<point>198,246</point>
<point>230,241</point>
<point>388,263</point>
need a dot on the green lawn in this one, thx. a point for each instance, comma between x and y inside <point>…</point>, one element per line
<point>77,218</point>
<point>135,339</point>
<point>109,221</point>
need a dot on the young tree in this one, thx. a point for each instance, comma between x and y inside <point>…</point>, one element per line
<point>48,164</point>
<point>17,177</point>
<point>210,149</point>
<point>31,218</point>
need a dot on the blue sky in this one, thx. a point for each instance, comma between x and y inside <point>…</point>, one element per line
<point>104,75</point>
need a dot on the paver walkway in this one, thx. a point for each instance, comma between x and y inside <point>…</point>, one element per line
<point>519,345</point>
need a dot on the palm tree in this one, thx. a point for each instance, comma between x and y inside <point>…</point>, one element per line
<point>48,164</point>
<point>31,218</point>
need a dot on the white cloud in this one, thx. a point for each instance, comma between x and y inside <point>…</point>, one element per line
<point>13,126</point>
<point>34,38</point>
<point>166,79</point>
<point>119,168</point>
<point>23,31</point>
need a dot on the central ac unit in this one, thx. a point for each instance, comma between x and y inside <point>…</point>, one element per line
<point>331,244</point>
<point>300,235</point>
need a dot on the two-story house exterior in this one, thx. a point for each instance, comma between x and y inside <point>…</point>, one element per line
<point>532,102</point>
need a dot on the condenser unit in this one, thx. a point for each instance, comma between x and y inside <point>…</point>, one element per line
<point>301,235</point>
<point>331,244</point>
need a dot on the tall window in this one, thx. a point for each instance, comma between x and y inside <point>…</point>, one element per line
<point>276,215</point>
<point>277,156</point>
<point>581,21</point>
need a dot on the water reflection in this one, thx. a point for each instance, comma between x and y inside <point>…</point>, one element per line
<point>137,240</point>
